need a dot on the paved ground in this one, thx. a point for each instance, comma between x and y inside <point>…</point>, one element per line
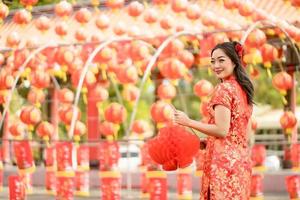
<point>39,194</point>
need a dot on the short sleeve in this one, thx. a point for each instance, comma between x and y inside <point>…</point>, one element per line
<point>222,96</point>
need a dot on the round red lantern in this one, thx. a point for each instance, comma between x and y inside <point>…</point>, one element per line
<point>6,79</point>
<point>89,80</point>
<point>30,115</point>
<point>269,54</point>
<point>161,112</point>
<point>61,29</point>
<point>179,5</point>
<point>100,94</point>
<point>139,126</point>
<point>102,22</point>
<point>282,81</point>
<point>166,91</point>
<point>135,9</point>
<point>288,121</point>
<point>83,16</point>
<point>17,129</point>
<point>115,113</point>
<point>3,11</point>
<point>81,35</point>
<point>231,4</point>
<point>66,113</point>
<point>203,88</point>
<point>13,39</point>
<point>107,128</point>
<point>22,17</point>
<point>127,74</point>
<point>187,58</point>
<point>42,23</point>
<point>193,12</point>
<point>36,97</point>
<point>256,39</point>
<point>45,130</point>
<point>114,4</point>
<point>119,29</point>
<point>246,8</point>
<point>40,79</point>
<point>63,9</point>
<point>167,22</point>
<point>66,96</point>
<point>139,51</point>
<point>79,130</point>
<point>173,69</point>
<point>208,18</point>
<point>130,92</point>
<point>150,16</point>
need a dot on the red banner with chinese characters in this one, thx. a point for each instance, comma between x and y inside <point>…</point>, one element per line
<point>257,185</point>
<point>65,188</point>
<point>64,155</point>
<point>82,187</point>
<point>50,182</point>
<point>50,158</point>
<point>16,188</point>
<point>157,185</point>
<point>293,186</point>
<point>24,157</point>
<point>83,162</point>
<point>110,185</point>
<point>184,183</point>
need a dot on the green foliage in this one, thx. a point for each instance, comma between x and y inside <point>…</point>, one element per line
<point>15,4</point>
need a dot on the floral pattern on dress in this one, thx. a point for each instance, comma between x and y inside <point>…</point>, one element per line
<point>227,167</point>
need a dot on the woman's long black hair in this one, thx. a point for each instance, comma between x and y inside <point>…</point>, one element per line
<point>229,48</point>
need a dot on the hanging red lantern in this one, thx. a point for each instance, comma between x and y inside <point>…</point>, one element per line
<point>66,96</point>
<point>161,112</point>
<point>22,17</point>
<point>166,91</point>
<point>150,16</point>
<point>19,57</point>
<point>295,156</point>
<point>61,29</point>
<point>6,79</point>
<point>95,39</point>
<point>256,186</point>
<point>107,128</point>
<point>63,9</point>
<point>115,113</point>
<point>28,3</point>
<point>102,22</point>
<point>256,39</point>
<point>130,93</point>
<point>231,4</point>
<point>45,130</point>
<point>105,55</point>
<point>293,186</point>
<point>179,5</point>
<point>119,29</point>
<point>166,22</point>
<point>139,126</point>
<point>36,97</point>
<point>173,48</point>
<point>193,12</point>
<point>79,130</point>
<point>187,58</point>
<point>161,2</point>
<point>259,15</point>
<point>81,35</point>
<point>100,94</point>
<point>3,11</point>
<point>66,114</point>
<point>30,115</point>
<point>203,88</point>
<point>127,75</point>
<point>139,51</point>
<point>288,121</point>
<point>236,34</point>
<point>114,4</point>
<point>135,9</point>
<point>269,54</point>
<point>13,39</point>
<point>89,80</point>
<point>108,155</point>
<point>162,151</point>
<point>246,8</point>
<point>258,155</point>
<point>83,16</point>
<point>295,3</point>
<point>23,155</point>
<point>208,18</point>
<point>173,69</point>
<point>282,81</point>
<point>17,129</point>
<point>40,79</point>
<point>43,23</point>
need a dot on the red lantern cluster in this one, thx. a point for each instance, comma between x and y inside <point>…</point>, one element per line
<point>173,147</point>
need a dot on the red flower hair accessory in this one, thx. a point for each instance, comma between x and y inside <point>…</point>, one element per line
<point>239,50</point>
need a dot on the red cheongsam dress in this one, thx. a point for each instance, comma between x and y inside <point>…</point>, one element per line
<point>227,167</point>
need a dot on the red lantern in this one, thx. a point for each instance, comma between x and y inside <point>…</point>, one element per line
<point>139,126</point>
<point>282,81</point>
<point>256,39</point>
<point>135,9</point>
<point>187,58</point>
<point>231,4</point>
<point>127,75</point>
<point>288,121</point>
<point>179,5</point>
<point>100,94</point>
<point>295,155</point>
<point>246,9</point>
<point>6,79</point>
<point>64,159</point>
<point>269,54</point>
<point>63,9</point>
<point>173,69</point>
<point>203,88</point>
<point>108,155</point>
<point>80,129</point>
<point>28,3</point>
<point>45,130</point>
<point>150,16</point>
<point>102,22</point>
<point>3,11</point>
<point>24,158</point>
<point>61,29</point>
<point>130,93</point>
<point>17,129</point>
<point>295,3</point>
<point>257,185</point>
<point>139,51</point>
<point>64,56</point>
<point>36,97</point>
<point>80,35</point>
<point>293,186</point>
<point>166,91</point>
<point>16,188</point>
<point>89,80</point>
<point>174,147</point>
<point>22,17</point>
<point>208,18</point>
<point>115,113</point>
<point>83,16</point>
<point>30,115</point>
<point>161,112</point>
<point>258,155</point>
<point>65,187</point>
<point>66,96</point>
<point>107,128</point>
<point>105,55</point>
<point>40,79</point>
<point>167,22</point>
<point>13,40</point>
<point>66,114</point>
<point>42,23</point>
<point>115,4</point>
<point>110,185</point>
<point>193,12</point>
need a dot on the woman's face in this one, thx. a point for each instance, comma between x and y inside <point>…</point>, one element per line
<point>221,64</point>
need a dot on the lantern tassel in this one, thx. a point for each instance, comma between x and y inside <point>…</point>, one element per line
<point>284,101</point>
<point>269,73</point>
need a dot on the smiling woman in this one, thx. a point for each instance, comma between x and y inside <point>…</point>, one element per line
<point>227,165</point>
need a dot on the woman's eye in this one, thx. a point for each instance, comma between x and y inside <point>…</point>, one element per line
<point>221,60</point>
<point>212,62</point>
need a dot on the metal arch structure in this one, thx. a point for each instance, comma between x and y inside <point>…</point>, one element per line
<point>293,90</point>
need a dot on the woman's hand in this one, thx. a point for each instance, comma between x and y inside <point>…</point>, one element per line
<point>181,118</point>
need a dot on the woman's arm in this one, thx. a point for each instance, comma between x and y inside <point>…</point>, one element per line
<point>219,129</point>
